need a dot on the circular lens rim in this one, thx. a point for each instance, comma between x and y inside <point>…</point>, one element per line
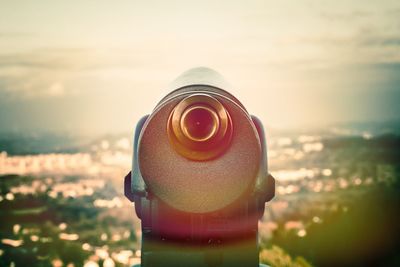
<point>200,150</point>
<point>185,124</point>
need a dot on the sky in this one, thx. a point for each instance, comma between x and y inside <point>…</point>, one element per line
<point>94,67</point>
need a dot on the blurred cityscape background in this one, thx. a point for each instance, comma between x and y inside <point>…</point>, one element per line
<point>323,76</point>
<point>337,200</point>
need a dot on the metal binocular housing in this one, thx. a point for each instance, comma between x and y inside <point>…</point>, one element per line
<point>199,180</point>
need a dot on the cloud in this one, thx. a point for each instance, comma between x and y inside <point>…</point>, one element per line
<point>346,16</point>
<point>42,72</point>
<point>44,59</point>
<point>382,41</point>
<point>259,38</point>
<point>58,72</point>
<point>9,34</point>
<point>33,73</point>
<point>56,89</point>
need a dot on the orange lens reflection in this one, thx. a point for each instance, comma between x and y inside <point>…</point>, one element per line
<point>199,123</point>
<point>200,127</point>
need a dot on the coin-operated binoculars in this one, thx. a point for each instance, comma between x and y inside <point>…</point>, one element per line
<point>199,180</point>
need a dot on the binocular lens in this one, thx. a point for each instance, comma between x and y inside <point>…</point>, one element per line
<point>200,127</point>
<point>199,123</point>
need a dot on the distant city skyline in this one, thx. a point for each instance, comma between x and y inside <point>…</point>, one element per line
<point>98,66</point>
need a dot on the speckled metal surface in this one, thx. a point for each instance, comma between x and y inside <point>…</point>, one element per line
<point>199,186</point>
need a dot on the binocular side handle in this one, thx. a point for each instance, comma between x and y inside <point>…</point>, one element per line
<point>265,183</point>
<point>134,198</point>
<point>134,185</point>
<point>138,186</point>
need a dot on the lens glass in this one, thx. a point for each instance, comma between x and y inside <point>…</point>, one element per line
<point>199,123</point>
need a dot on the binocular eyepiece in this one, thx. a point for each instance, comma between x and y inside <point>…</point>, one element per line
<point>199,175</point>
<point>199,127</point>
